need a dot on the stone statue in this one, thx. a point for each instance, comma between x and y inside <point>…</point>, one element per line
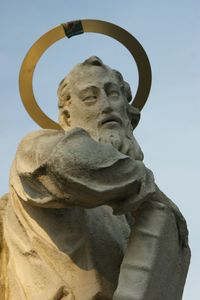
<point>84,218</point>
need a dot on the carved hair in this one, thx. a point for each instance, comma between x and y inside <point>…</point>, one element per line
<point>65,95</point>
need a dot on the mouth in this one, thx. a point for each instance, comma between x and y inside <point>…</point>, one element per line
<point>112,120</point>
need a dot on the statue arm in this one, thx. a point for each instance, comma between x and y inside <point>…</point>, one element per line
<point>70,168</point>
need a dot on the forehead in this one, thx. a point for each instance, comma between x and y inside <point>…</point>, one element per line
<point>95,76</point>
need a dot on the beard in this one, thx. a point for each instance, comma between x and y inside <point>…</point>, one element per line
<point>121,139</point>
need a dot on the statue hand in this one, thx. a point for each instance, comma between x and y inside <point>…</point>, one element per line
<point>145,190</point>
<point>130,147</point>
<point>124,144</point>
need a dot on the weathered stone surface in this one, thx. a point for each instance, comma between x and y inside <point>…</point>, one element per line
<point>84,218</point>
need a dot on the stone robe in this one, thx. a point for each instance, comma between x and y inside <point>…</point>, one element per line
<point>59,236</point>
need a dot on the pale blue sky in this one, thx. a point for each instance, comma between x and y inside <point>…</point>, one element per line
<point>169,129</point>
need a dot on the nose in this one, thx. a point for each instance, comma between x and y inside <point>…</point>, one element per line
<point>106,105</point>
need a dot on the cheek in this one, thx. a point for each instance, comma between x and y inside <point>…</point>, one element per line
<point>82,113</point>
<point>121,107</point>
<point>122,110</point>
<point>91,113</point>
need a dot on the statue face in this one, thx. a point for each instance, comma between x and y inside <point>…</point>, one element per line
<point>97,103</point>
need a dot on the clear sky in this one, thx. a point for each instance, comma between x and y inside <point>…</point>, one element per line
<point>169,128</point>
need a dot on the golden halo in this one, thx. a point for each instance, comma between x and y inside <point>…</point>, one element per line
<point>68,30</point>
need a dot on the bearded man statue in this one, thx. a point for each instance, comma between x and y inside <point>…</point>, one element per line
<point>84,218</point>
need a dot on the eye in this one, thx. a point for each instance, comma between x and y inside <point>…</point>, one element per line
<point>89,98</point>
<point>113,94</point>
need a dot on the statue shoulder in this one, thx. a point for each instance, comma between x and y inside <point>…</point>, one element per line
<point>41,134</point>
<point>37,146</point>
<point>43,141</point>
<point>51,136</point>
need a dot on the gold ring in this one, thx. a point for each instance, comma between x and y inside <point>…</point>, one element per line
<point>68,30</point>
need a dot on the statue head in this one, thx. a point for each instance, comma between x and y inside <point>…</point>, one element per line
<point>96,98</point>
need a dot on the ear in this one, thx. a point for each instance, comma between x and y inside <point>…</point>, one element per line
<point>134,115</point>
<point>127,90</point>
<point>64,119</point>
